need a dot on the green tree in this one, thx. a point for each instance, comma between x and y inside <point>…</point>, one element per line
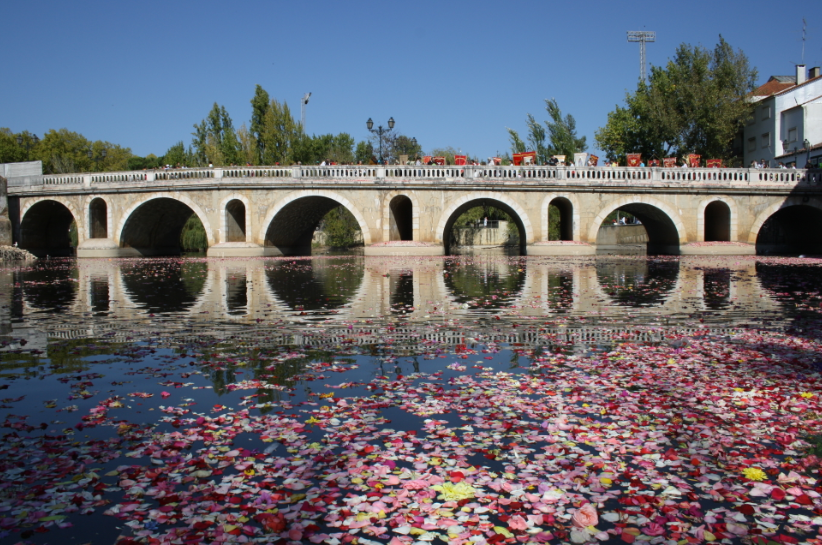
<point>176,155</point>
<point>560,138</point>
<point>280,134</point>
<point>259,107</point>
<point>696,103</point>
<point>64,151</point>
<point>193,236</point>
<point>341,228</point>
<point>364,152</point>
<point>215,140</point>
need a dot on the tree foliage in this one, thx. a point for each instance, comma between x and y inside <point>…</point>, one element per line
<point>193,236</point>
<point>558,137</point>
<point>695,104</point>
<point>340,228</point>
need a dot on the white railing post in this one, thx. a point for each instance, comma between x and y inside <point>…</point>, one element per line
<point>87,180</point>
<point>151,176</point>
<point>218,173</point>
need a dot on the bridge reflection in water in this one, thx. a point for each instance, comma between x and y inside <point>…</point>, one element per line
<point>323,301</point>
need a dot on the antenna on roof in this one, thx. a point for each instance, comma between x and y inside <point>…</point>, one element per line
<point>804,34</point>
<point>641,36</point>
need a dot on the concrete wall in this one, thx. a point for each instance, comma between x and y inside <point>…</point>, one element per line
<point>621,234</point>
<point>484,236</point>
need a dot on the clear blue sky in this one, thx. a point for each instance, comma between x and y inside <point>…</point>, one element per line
<point>454,73</point>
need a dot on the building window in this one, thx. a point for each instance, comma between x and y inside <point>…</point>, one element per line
<point>766,112</point>
<point>752,144</point>
<point>766,140</point>
<point>792,135</point>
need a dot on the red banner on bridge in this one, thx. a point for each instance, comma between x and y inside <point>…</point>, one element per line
<point>634,159</point>
<point>525,158</point>
<point>460,159</point>
<point>693,160</point>
<point>669,162</point>
<point>714,163</point>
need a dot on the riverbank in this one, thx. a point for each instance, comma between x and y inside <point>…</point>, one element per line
<point>10,253</point>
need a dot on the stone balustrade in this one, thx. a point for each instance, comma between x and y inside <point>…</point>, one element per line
<point>434,174</point>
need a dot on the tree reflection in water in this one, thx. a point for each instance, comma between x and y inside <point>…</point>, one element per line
<point>491,284</point>
<point>315,284</point>
<point>638,283</point>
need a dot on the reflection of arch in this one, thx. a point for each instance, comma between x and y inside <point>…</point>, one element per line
<point>98,218</point>
<point>401,217</point>
<point>45,224</point>
<point>466,202</point>
<point>569,214</point>
<point>771,210</point>
<point>234,220</point>
<point>177,197</point>
<point>717,223</point>
<point>664,229</point>
<point>297,195</point>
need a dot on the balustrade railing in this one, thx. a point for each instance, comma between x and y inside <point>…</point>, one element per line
<point>430,174</point>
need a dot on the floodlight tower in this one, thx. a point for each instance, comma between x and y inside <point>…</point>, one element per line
<point>303,102</point>
<point>641,36</point>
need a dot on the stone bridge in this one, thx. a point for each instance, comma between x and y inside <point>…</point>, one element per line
<point>410,210</point>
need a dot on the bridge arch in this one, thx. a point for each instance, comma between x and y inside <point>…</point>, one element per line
<point>45,224</point>
<point>145,224</point>
<point>395,215</point>
<point>234,218</point>
<point>510,206</point>
<point>807,220</point>
<point>301,212</point>
<point>706,224</point>
<point>662,222</point>
<point>98,217</point>
<point>572,220</point>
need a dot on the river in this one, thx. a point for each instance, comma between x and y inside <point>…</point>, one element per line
<point>470,399</point>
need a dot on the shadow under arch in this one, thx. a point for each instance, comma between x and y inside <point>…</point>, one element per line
<point>662,225</point>
<point>290,226</point>
<point>153,227</point>
<point>451,215</point>
<point>98,218</point>
<point>317,286</point>
<point>792,228</point>
<point>44,230</point>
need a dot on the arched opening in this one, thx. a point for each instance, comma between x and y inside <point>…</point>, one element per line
<point>98,219</point>
<point>400,223</point>
<point>235,221</point>
<point>717,222</point>
<point>484,222</point>
<point>560,219</point>
<point>293,229</point>
<point>155,227</point>
<point>791,230</point>
<point>46,230</point>
<point>638,228</point>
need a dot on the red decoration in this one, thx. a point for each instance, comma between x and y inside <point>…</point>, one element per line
<point>593,160</point>
<point>693,160</point>
<point>653,163</point>
<point>460,159</point>
<point>669,162</point>
<point>714,163</point>
<point>439,160</point>
<point>634,159</point>
<point>520,158</point>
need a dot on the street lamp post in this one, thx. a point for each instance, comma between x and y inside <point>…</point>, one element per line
<point>379,130</point>
<point>97,159</point>
<point>807,150</point>
<point>28,143</point>
<point>303,102</point>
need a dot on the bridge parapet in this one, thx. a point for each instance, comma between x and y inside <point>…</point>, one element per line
<point>440,175</point>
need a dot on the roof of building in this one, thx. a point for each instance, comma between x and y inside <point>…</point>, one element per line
<point>806,82</point>
<point>774,85</point>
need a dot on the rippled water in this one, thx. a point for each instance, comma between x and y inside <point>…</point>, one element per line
<point>188,331</point>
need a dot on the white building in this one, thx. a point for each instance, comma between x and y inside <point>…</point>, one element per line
<point>787,123</point>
